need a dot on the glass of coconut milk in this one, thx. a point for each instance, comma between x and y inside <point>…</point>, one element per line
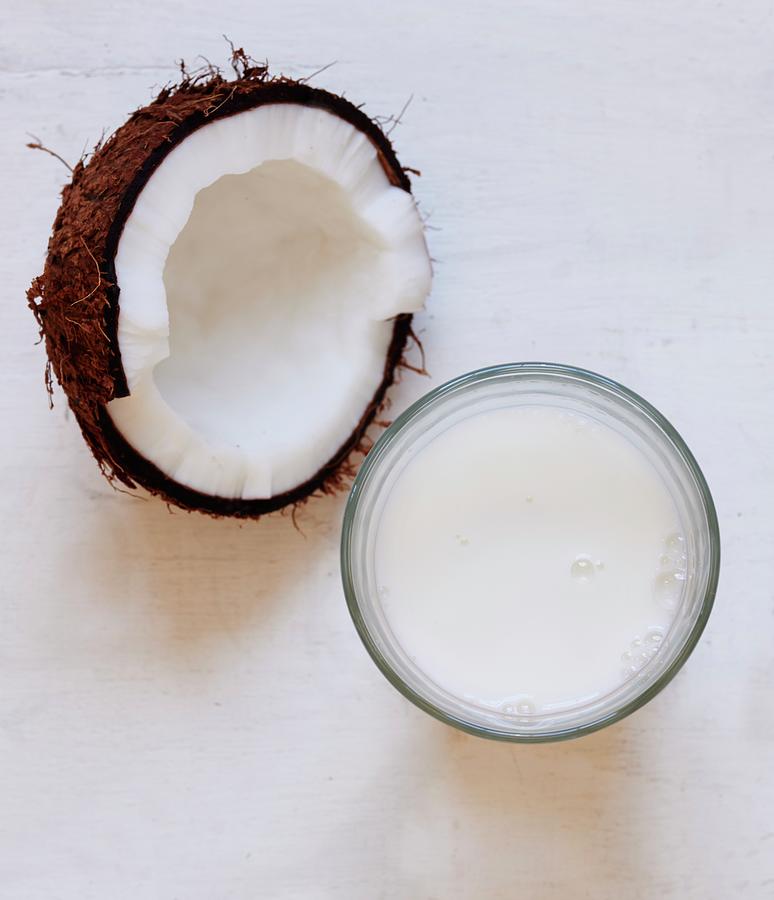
<point>530,552</point>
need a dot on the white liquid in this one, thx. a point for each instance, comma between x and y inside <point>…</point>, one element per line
<point>529,558</point>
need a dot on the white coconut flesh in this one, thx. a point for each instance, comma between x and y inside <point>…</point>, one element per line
<point>259,272</point>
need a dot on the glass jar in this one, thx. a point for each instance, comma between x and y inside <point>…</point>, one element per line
<point>530,384</point>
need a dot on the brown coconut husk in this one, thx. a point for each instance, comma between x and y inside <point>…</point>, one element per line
<point>76,299</point>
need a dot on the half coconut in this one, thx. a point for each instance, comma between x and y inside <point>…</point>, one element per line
<point>229,289</point>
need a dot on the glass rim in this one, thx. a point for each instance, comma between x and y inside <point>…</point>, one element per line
<point>527,369</point>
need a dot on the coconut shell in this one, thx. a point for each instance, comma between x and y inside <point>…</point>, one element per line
<point>76,299</point>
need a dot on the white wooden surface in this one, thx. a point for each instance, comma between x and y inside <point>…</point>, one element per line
<point>185,710</point>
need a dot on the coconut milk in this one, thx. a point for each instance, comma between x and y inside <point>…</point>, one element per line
<point>529,559</point>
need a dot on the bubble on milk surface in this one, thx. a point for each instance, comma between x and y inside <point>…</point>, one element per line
<point>641,651</point>
<point>523,706</point>
<point>582,568</point>
<point>673,567</point>
<point>667,590</point>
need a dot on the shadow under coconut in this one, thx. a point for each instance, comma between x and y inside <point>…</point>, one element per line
<point>198,582</point>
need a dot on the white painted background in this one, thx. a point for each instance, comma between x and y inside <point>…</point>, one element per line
<point>185,710</point>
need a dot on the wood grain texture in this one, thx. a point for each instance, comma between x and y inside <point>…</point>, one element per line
<point>185,710</point>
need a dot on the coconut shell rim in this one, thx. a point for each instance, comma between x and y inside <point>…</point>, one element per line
<point>117,458</point>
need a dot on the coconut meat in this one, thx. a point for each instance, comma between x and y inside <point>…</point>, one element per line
<point>259,272</point>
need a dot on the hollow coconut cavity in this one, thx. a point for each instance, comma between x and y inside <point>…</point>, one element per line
<point>229,290</point>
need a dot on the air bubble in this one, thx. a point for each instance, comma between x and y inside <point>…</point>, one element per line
<point>674,555</point>
<point>641,651</point>
<point>667,589</point>
<point>582,569</point>
<point>462,540</point>
<point>523,707</point>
